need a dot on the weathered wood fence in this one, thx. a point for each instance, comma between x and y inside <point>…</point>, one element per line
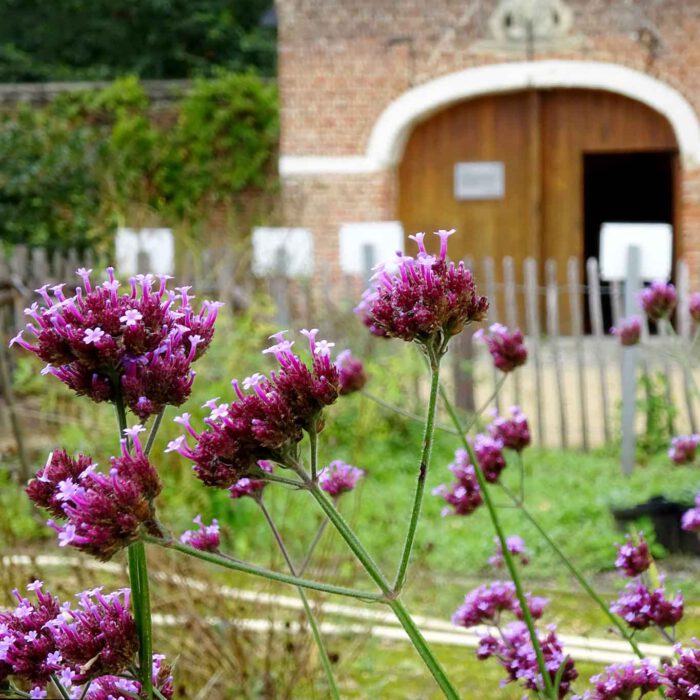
<point>570,388</point>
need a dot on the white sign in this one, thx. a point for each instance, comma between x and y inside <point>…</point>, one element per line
<point>480,180</point>
<point>372,243</point>
<point>655,242</point>
<point>287,250</point>
<point>145,250</point>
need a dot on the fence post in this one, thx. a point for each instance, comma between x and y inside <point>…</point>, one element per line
<point>553,333</point>
<point>577,334</point>
<point>532,314</point>
<point>279,288</point>
<point>511,308</point>
<point>490,279</point>
<point>629,364</point>
<point>462,350</point>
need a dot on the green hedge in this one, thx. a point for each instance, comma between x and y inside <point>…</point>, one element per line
<point>74,169</point>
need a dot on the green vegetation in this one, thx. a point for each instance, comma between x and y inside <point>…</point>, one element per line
<point>105,39</point>
<point>91,160</point>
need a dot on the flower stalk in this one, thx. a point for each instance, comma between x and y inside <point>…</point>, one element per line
<point>424,464</point>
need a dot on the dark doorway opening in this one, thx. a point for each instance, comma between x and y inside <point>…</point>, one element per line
<point>624,187</point>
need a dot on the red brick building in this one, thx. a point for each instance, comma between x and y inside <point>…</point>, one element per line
<point>587,111</point>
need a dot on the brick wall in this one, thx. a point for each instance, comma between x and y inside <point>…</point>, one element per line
<point>342,62</point>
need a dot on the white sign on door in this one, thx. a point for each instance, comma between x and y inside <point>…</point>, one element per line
<point>480,180</point>
<point>655,242</point>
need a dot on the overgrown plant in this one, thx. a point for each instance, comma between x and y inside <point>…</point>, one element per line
<point>136,350</point>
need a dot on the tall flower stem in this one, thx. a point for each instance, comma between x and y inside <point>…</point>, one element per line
<point>390,596</point>
<point>260,571</point>
<point>311,618</point>
<point>424,463</point>
<point>140,595</point>
<point>314,543</point>
<point>507,556</point>
<point>59,687</point>
<point>313,452</point>
<point>614,620</point>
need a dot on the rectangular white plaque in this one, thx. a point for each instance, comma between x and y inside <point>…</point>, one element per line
<point>480,180</point>
<point>655,242</point>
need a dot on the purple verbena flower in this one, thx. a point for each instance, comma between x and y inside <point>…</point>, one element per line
<point>513,432</point>
<point>489,454</point>
<point>464,494</point>
<point>99,636</point>
<point>207,538</point>
<point>267,420</point>
<point>621,680</point>
<point>640,607</point>
<point>339,478</point>
<point>486,603</point>
<point>516,655</point>
<point>694,306</point>
<point>424,296</point>
<point>141,343</point>
<point>682,680</point>
<point>629,330</point>
<point>351,373</point>
<point>26,643</point>
<point>515,545</point>
<point>104,512</point>
<point>683,447</point>
<point>691,518</point>
<point>658,300</point>
<point>633,558</point>
<point>114,687</point>
<point>247,487</point>
<point>507,349</point>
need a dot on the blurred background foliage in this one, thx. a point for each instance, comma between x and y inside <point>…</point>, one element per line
<point>91,160</point>
<point>156,39</point>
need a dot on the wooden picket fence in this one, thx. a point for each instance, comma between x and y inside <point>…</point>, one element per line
<point>570,388</point>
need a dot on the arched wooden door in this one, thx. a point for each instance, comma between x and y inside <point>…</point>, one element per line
<point>542,139</point>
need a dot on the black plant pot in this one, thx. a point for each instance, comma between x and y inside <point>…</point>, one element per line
<point>666,516</point>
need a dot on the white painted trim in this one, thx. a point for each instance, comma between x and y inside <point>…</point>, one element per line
<point>319,165</point>
<point>392,129</point>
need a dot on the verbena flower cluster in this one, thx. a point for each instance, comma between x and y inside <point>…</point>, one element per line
<point>99,513</point>
<point>339,478</point>
<point>138,346</point>
<point>694,306</point>
<point>94,642</point>
<point>513,432</point>
<point>267,418</point>
<point>351,373</point>
<point>464,494</point>
<point>206,538</point>
<point>419,298</point>
<point>658,300</point>
<point>507,348</point>
<point>515,545</point>
<point>683,449</point>
<point>682,680</point>
<point>629,330</point>
<point>641,607</point>
<point>487,603</point>
<point>622,680</point>
<point>691,518</point>
<point>633,558</point>
<point>515,653</point>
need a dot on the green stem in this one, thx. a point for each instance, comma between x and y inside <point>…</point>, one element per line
<point>389,597</point>
<point>140,596</point>
<point>245,568</point>
<point>418,641</point>
<point>138,574</point>
<point>59,687</point>
<point>313,451</point>
<point>507,556</point>
<point>283,480</point>
<point>154,431</point>
<point>424,463</point>
<point>310,617</point>
<point>578,576</point>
